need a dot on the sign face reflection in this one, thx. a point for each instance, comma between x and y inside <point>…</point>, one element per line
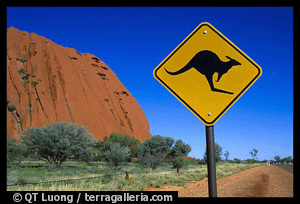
<point>207,73</point>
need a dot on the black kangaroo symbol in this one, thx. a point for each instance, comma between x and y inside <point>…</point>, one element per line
<point>207,63</point>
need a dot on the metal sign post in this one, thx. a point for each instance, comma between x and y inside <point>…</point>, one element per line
<point>208,74</point>
<point>211,161</point>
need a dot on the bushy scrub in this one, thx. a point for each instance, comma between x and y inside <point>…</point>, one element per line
<point>59,141</point>
<point>151,160</point>
<point>117,155</point>
<point>178,163</point>
<point>14,152</point>
<point>124,140</point>
<point>157,144</point>
<point>158,149</point>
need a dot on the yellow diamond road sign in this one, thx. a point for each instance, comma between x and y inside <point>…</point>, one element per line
<point>207,73</point>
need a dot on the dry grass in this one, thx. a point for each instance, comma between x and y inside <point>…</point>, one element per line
<point>140,178</point>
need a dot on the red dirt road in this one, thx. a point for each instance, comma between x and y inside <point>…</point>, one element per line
<point>262,181</point>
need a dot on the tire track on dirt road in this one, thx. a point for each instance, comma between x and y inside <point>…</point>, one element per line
<point>261,181</point>
<point>269,181</point>
<point>260,188</point>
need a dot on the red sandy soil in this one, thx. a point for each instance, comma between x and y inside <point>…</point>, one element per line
<point>262,181</point>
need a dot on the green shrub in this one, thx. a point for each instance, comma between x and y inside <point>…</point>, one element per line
<point>124,140</point>
<point>179,149</point>
<point>178,162</point>
<point>26,76</point>
<point>164,145</point>
<point>22,71</point>
<point>251,161</point>
<point>151,160</point>
<point>157,144</point>
<point>23,59</point>
<point>218,153</point>
<point>117,155</point>
<point>11,108</point>
<point>13,150</point>
<point>236,160</point>
<point>59,141</point>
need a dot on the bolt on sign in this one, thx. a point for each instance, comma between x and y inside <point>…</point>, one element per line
<point>207,73</point>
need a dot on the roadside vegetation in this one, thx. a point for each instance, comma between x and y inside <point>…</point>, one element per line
<point>64,157</point>
<point>73,176</point>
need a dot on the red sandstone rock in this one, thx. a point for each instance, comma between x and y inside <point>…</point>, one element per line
<point>189,158</point>
<point>65,85</point>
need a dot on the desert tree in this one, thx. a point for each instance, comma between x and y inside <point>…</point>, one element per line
<point>157,144</point>
<point>254,153</point>
<point>158,149</point>
<point>117,155</point>
<point>151,160</point>
<point>58,141</point>
<point>179,149</point>
<point>154,151</point>
<point>287,160</point>
<point>124,140</point>
<point>178,162</point>
<point>218,153</point>
<point>277,159</point>
<point>226,154</point>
